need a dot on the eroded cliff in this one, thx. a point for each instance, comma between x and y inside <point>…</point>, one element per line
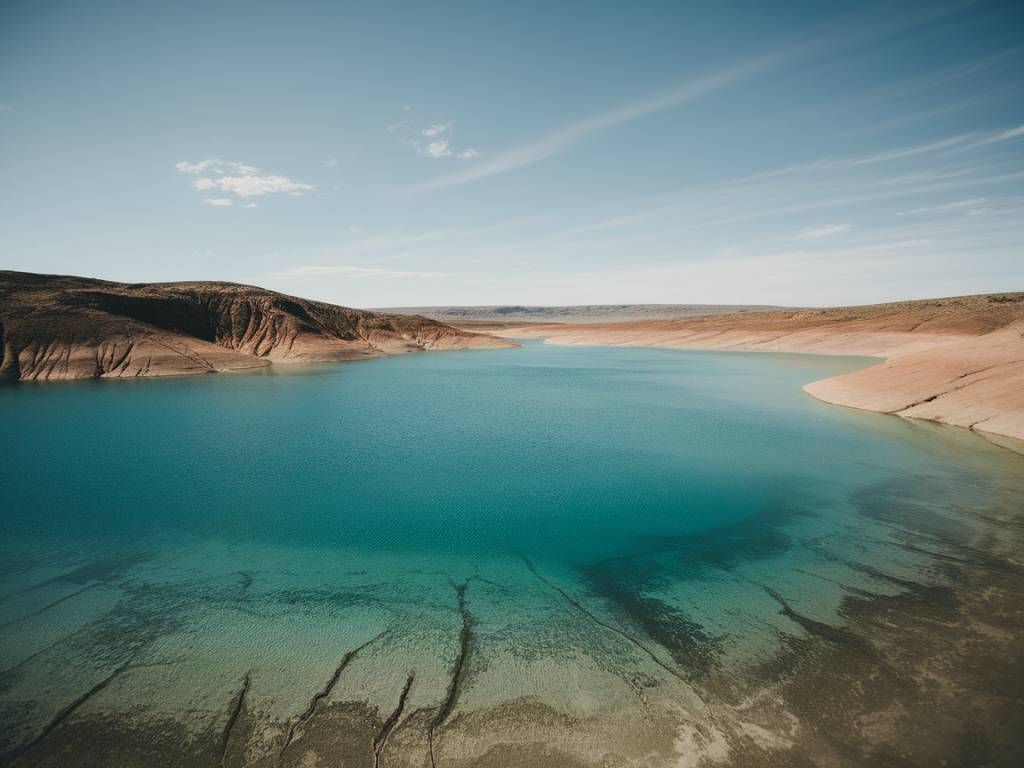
<point>56,327</point>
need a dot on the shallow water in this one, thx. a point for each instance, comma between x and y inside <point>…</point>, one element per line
<point>615,520</point>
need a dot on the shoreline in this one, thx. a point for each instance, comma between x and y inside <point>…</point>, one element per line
<point>935,362</point>
<point>1007,442</point>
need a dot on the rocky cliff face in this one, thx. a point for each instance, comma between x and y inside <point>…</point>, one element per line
<point>54,327</point>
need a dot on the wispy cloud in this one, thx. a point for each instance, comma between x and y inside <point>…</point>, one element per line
<point>330,162</point>
<point>1010,135</point>
<point>959,205</point>
<point>436,149</point>
<point>555,142</point>
<point>877,158</point>
<point>971,80</point>
<point>854,31</point>
<point>826,230</point>
<point>691,248</point>
<point>218,201</point>
<point>346,269</point>
<point>437,129</point>
<point>252,186</point>
<point>441,142</point>
<point>216,166</point>
<point>899,154</point>
<point>682,225</point>
<point>238,178</point>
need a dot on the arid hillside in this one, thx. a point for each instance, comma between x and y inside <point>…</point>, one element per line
<point>56,327</point>
<point>955,360</point>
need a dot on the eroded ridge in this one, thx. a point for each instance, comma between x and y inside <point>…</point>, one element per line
<point>324,692</point>
<point>21,751</point>
<point>381,741</point>
<point>234,710</point>
<point>458,670</point>
<point>48,606</point>
<point>62,327</point>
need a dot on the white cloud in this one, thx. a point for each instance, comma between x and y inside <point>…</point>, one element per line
<point>221,201</point>
<point>971,204</point>
<point>406,108</point>
<point>186,167</point>
<point>252,205</point>
<point>252,186</point>
<point>439,142</point>
<point>330,162</point>
<point>437,129</point>
<point>436,149</point>
<point>345,269</point>
<point>826,230</point>
<point>217,166</point>
<point>239,178</point>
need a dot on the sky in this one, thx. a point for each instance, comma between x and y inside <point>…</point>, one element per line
<point>395,154</point>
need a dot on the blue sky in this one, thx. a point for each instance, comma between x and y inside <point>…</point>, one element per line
<point>392,154</point>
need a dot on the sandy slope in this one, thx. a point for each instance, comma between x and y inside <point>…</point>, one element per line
<point>957,361</point>
<point>54,327</point>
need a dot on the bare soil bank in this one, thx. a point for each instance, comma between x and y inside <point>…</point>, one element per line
<point>956,360</point>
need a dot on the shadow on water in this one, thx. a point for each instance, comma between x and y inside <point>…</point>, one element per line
<point>625,581</point>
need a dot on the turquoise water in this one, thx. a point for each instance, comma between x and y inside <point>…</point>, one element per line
<point>573,453</point>
<point>263,523</point>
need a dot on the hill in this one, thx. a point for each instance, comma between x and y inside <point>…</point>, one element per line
<point>59,327</point>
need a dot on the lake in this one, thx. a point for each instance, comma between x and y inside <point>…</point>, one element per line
<point>545,556</point>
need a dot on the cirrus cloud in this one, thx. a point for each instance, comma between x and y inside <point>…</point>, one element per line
<point>827,230</point>
<point>354,271</point>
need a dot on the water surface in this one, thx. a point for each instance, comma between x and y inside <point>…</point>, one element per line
<point>602,532</point>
